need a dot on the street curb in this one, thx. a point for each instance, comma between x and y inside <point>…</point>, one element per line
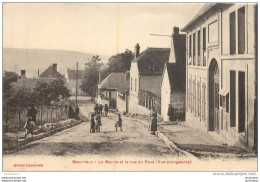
<point>20,144</point>
<point>174,149</point>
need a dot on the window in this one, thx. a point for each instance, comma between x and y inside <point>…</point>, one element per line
<point>198,98</point>
<point>204,39</point>
<point>232,32</point>
<point>131,84</point>
<point>194,96</point>
<point>189,45</point>
<point>135,85</point>
<point>194,48</point>
<point>241,30</point>
<point>199,43</point>
<point>203,101</point>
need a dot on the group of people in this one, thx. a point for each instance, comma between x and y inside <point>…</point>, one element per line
<point>95,122</point>
<point>99,109</point>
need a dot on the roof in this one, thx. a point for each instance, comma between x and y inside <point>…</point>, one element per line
<point>206,10</point>
<point>72,74</point>
<point>151,61</point>
<point>176,74</point>
<point>51,72</point>
<point>115,81</point>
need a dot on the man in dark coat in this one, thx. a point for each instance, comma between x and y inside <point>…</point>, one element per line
<point>32,112</point>
<point>101,109</point>
<point>96,108</point>
<point>153,124</point>
<point>106,109</point>
<point>71,113</point>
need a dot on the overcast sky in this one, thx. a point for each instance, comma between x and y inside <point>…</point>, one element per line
<point>97,28</point>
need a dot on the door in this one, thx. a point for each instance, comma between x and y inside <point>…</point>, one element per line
<point>213,96</point>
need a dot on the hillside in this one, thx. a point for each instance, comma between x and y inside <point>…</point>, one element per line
<point>33,59</point>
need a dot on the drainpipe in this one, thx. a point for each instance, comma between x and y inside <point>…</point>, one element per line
<point>255,78</point>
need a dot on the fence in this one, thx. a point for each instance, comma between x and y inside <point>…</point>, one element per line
<point>44,115</point>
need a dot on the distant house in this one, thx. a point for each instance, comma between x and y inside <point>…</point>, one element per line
<point>145,79</point>
<point>24,83</point>
<point>109,88</point>
<point>71,81</point>
<point>173,78</point>
<point>51,73</point>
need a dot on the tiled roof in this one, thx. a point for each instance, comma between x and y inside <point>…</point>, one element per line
<point>72,74</point>
<point>115,81</point>
<point>176,74</point>
<point>51,72</point>
<point>152,60</point>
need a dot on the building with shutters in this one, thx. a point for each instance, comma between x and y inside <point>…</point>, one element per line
<point>221,76</point>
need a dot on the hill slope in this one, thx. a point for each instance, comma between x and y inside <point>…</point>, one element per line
<point>33,59</point>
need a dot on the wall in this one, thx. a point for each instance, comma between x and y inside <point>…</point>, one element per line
<point>121,104</point>
<point>72,86</point>
<point>220,50</point>
<point>165,95</point>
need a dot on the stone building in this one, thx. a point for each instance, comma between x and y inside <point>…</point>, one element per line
<point>71,81</point>
<point>221,72</point>
<point>112,88</point>
<point>174,78</point>
<point>145,79</point>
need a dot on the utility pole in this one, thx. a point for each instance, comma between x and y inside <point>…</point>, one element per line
<point>77,86</point>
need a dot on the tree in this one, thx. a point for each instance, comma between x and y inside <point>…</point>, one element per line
<point>91,77</point>
<point>45,93</point>
<point>120,62</point>
<point>9,106</point>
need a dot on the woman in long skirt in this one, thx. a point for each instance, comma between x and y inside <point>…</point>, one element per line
<point>153,124</point>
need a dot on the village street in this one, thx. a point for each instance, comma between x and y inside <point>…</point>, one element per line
<point>134,140</point>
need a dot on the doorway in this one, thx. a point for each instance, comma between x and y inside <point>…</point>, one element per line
<point>213,96</point>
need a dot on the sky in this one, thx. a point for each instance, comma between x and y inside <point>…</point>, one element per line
<point>96,28</point>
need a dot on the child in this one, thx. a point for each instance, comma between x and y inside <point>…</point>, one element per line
<point>119,123</point>
<point>98,122</point>
<point>30,126</point>
<point>92,122</point>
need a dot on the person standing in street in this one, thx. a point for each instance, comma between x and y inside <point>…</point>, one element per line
<point>101,110</point>
<point>92,124</point>
<point>106,110</point>
<point>119,122</point>
<point>96,108</point>
<point>153,125</point>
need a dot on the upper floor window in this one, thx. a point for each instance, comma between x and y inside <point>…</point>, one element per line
<point>232,32</point>
<point>194,48</point>
<point>199,43</point>
<point>131,84</point>
<point>204,39</point>
<point>241,30</point>
<point>189,45</point>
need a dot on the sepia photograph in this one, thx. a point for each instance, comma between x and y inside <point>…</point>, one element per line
<point>130,87</point>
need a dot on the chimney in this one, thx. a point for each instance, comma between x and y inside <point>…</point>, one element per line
<point>137,50</point>
<point>38,72</point>
<point>127,76</point>
<point>23,73</point>
<point>55,66</point>
<point>176,30</point>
